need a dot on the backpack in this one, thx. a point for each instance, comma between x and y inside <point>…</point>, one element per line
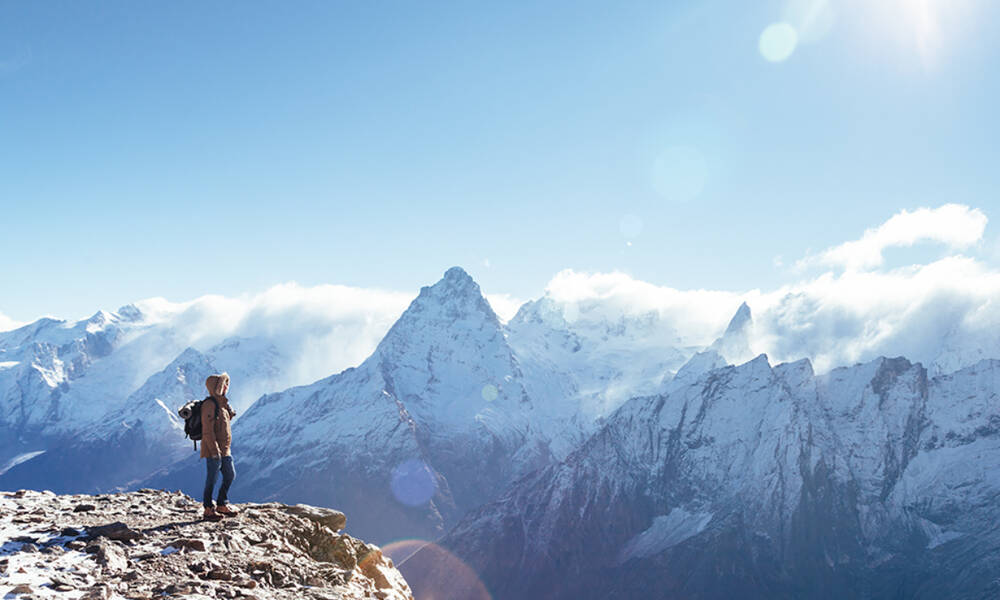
<point>191,413</point>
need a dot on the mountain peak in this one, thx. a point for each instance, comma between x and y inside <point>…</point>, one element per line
<point>455,293</point>
<point>740,320</point>
<point>734,344</point>
<point>457,275</point>
<point>455,298</point>
<point>130,312</point>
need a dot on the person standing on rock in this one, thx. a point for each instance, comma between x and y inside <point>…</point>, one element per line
<point>216,441</point>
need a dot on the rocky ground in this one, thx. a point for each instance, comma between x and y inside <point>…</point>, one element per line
<point>153,544</point>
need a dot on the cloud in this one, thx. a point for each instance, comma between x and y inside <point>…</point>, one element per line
<point>320,330</point>
<point>504,305</point>
<point>945,314</point>
<point>688,317</point>
<point>7,324</point>
<point>954,225</point>
<point>941,314</point>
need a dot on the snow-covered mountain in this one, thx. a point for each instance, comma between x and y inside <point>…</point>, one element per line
<point>871,481</point>
<point>582,362</point>
<point>91,405</point>
<point>105,387</point>
<point>434,422</point>
<point>450,408</point>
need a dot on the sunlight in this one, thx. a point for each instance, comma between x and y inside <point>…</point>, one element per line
<point>927,27</point>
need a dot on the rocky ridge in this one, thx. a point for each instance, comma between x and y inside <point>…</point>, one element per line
<point>154,544</point>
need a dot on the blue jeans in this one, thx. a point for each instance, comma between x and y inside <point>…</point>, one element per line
<point>225,464</point>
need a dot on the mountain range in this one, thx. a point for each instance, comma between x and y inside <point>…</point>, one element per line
<point>573,451</point>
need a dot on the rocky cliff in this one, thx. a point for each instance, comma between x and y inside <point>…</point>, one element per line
<point>153,543</point>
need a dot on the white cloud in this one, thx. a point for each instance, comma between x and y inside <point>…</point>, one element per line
<point>321,330</point>
<point>7,324</point>
<point>955,225</point>
<point>944,314</point>
<point>691,317</point>
<point>504,305</point>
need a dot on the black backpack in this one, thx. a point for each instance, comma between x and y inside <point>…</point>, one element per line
<point>191,413</point>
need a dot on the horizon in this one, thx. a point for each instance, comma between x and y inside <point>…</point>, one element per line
<point>852,302</point>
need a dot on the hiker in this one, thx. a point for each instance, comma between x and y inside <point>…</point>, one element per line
<point>216,437</point>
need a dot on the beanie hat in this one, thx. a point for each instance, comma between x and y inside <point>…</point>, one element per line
<point>215,383</point>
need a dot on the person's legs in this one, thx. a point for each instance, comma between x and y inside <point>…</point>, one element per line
<point>228,474</point>
<point>212,466</point>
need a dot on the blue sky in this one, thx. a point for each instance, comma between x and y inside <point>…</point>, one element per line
<point>184,148</point>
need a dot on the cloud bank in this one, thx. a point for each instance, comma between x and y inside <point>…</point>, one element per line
<point>320,330</point>
<point>953,225</point>
<point>6,323</point>
<point>945,314</point>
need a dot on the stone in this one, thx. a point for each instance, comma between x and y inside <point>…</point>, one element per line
<point>98,592</point>
<point>114,531</point>
<point>69,532</point>
<point>24,539</point>
<point>24,588</point>
<point>334,519</point>
<point>190,543</point>
<point>84,508</point>
<point>220,575</point>
<point>108,556</point>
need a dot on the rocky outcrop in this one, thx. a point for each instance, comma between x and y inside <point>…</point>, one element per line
<point>154,544</point>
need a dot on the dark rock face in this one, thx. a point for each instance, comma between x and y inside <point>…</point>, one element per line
<point>153,543</point>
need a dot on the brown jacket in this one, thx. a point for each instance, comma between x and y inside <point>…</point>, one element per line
<point>216,433</point>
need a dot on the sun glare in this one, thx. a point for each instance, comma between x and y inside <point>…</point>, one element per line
<point>929,29</point>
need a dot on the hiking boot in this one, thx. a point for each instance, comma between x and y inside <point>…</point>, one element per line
<point>224,509</point>
<point>211,514</point>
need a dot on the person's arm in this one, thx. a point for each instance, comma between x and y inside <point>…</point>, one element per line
<point>208,438</point>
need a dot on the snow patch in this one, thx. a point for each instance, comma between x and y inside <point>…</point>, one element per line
<point>665,532</point>
<point>937,535</point>
<point>175,420</point>
<point>20,458</point>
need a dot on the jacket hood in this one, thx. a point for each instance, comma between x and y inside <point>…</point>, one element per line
<point>215,383</point>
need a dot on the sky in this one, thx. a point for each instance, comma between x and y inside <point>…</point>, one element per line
<point>186,149</point>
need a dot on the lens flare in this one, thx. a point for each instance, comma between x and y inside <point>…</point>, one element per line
<point>413,482</point>
<point>490,392</point>
<point>778,41</point>
<point>435,573</point>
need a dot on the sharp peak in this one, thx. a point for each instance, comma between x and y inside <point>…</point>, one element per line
<point>455,291</point>
<point>740,319</point>
<point>457,274</point>
<point>454,281</point>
